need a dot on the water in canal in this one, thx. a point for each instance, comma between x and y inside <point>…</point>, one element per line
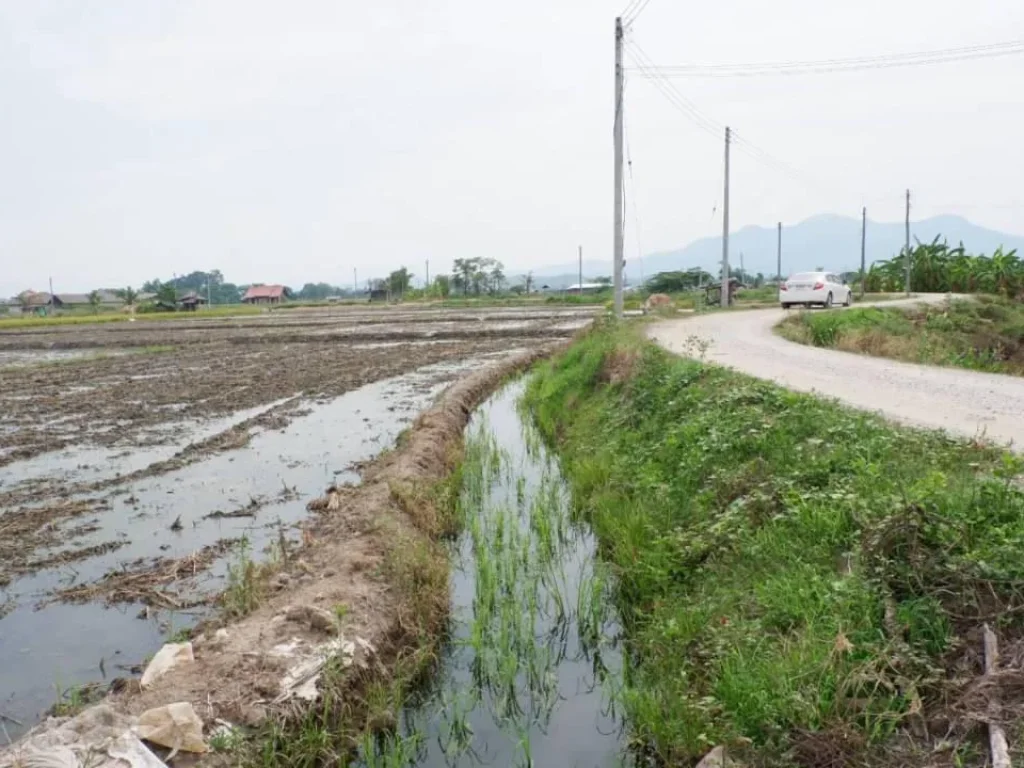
<point>528,675</point>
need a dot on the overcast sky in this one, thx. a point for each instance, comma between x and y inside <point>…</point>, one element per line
<point>291,142</point>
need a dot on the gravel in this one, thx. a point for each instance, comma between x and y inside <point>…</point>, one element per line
<point>965,403</point>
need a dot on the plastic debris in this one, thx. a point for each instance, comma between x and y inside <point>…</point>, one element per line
<point>299,682</point>
<point>168,657</point>
<point>176,726</point>
<point>99,737</point>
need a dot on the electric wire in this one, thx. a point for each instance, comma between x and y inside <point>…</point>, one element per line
<point>857,63</point>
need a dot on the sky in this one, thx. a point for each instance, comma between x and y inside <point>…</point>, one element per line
<point>296,142</point>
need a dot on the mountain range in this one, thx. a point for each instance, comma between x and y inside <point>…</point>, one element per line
<point>828,241</point>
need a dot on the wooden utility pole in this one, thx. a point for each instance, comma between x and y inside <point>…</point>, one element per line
<point>725,225</point>
<point>778,256</point>
<point>617,245</point>
<point>907,257</point>
<point>863,243</point>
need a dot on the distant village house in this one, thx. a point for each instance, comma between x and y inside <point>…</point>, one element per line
<point>266,294</point>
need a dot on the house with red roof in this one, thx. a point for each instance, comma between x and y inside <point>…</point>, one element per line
<point>266,294</point>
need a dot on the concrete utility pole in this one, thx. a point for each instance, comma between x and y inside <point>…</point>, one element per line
<point>863,242</point>
<point>618,227</point>
<point>426,285</point>
<point>355,280</point>
<point>581,270</point>
<point>907,257</point>
<point>725,225</point>
<point>778,257</point>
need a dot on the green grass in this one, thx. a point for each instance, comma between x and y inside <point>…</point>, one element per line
<point>783,564</point>
<point>985,334</point>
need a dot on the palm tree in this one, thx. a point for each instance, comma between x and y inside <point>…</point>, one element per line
<point>128,295</point>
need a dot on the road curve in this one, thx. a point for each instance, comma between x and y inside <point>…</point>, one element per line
<point>965,403</point>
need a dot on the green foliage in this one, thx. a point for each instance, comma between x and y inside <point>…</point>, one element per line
<point>758,538</point>
<point>677,282</point>
<point>935,267</point>
<point>985,333</point>
<point>478,275</point>
<point>399,281</point>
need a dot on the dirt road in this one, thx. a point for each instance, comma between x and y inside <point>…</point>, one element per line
<point>962,402</point>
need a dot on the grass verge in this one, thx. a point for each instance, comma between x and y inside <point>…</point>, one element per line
<point>985,334</point>
<point>795,578</point>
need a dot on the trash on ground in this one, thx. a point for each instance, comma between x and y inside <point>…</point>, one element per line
<point>99,737</point>
<point>176,726</point>
<point>168,657</point>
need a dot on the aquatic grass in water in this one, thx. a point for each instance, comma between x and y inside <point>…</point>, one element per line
<point>523,680</point>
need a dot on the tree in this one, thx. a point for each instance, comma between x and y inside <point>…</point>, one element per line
<point>166,296</point>
<point>496,277</point>
<point>399,281</point>
<point>95,300</point>
<point>676,282</point>
<point>603,280</point>
<point>128,295</point>
<point>442,286</point>
<point>527,282</point>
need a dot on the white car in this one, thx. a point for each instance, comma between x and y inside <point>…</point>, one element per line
<point>824,288</point>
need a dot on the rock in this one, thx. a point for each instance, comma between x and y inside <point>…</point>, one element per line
<point>316,618</point>
<point>714,759</point>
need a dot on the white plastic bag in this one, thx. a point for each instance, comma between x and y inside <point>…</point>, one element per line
<point>168,657</point>
<point>176,726</point>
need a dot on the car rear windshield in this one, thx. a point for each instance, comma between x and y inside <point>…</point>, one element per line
<point>805,276</point>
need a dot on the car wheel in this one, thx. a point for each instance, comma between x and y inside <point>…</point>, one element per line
<point>828,302</point>
<point>785,305</point>
<point>849,299</point>
<point>807,305</point>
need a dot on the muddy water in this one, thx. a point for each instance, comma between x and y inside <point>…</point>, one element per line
<point>527,675</point>
<point>45,644</point>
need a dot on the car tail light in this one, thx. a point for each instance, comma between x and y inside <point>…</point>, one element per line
<point>783,287</point>
<point>818,286</point>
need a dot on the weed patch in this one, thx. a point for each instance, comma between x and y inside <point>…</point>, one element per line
<point>792,575</point>
<point>986,334</point>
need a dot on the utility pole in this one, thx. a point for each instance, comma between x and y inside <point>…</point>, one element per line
<point>778,256</point>
<point>581,270</point>
<point>427,284</point>
<point>209,303</point>
<point>355,281</point>
<point>863,242</point>
<point>907,257</point>
<point>618,235</point>
<point>725,225</point>
<point>53,302</point>
<point>743,270</point>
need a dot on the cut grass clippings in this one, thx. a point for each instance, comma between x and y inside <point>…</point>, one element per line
<point>794,576</point>
<point>983,334</point>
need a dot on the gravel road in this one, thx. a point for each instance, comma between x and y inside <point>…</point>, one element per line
<point>966,403</point>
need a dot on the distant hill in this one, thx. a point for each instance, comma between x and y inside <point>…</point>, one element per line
<point>828,241</point>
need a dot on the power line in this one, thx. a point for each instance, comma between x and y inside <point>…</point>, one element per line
<point>824,66</point>
<point>629,9</point>
<point>635,14</point>
<point>707,124</point>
